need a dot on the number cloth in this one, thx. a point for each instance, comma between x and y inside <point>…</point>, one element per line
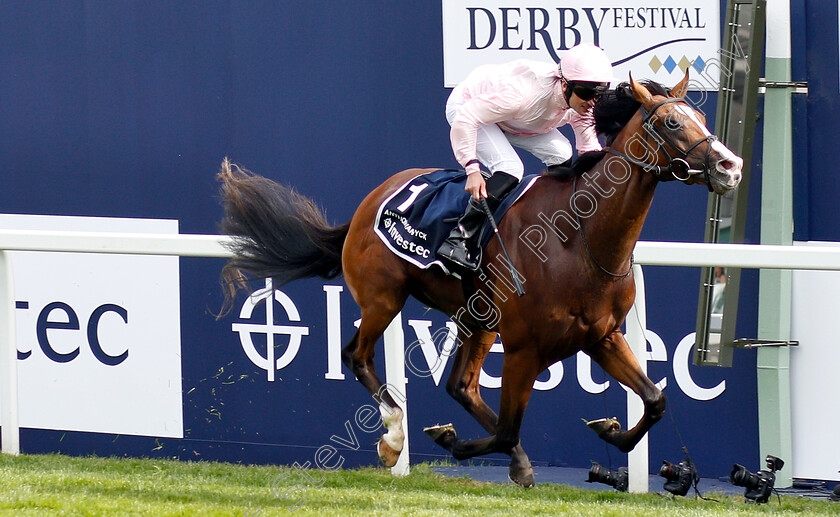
<point>414,220</point>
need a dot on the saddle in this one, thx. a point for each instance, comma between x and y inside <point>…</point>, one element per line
<point>414,221</point>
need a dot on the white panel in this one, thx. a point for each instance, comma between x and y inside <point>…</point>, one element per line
<point>778,30</point>
<point>814,366</point>
<point>140,394</point>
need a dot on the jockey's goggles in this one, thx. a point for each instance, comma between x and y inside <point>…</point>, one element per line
<point>586,91</point>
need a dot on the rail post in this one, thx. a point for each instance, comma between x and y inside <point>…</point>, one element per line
<point>10,430</point>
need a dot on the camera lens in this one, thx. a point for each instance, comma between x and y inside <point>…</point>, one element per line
<point>740,476</point>
<point>616,479</point>
<point>669,471</point>
<point>598,474</point>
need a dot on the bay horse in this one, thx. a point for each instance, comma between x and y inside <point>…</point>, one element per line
<point>570,238</point>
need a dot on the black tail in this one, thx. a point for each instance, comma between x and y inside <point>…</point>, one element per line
<point>280,234</point>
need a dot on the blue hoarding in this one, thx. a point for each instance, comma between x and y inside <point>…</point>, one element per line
<point>126,109</point>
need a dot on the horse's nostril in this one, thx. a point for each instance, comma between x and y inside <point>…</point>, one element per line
<point>732,167</point>
<point>725,165</point>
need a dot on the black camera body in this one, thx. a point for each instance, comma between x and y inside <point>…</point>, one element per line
<point>617,479</point>
<point>758,486</point>
<point>679,477</point>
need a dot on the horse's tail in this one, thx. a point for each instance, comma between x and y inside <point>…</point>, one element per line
<point>279,234</point>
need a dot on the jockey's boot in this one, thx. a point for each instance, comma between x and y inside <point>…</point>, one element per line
<point>554,170</point>
<point>461,246</point>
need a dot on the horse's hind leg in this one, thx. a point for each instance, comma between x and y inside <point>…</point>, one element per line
<point>358,356</point>
<point>463,387</point>
<point>616,358</point>
<point>519,372</point>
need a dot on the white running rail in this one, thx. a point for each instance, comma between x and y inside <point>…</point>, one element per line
<point>78,242</point>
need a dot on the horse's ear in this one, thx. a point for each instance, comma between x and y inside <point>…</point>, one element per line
<point>681,88</point>
<point>640,93</point>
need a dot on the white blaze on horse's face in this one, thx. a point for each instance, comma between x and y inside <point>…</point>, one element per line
<point>727,167</point>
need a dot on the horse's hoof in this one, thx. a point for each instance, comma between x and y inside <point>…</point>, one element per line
<point>436,431</point>
<point>443,435</point>
<point>520,471</point>
<point>388,455</point>
<point>523,477</point>
<point>604,425</point>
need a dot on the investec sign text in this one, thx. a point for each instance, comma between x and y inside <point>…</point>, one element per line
<point>656,39</point>
<point>428,348</point>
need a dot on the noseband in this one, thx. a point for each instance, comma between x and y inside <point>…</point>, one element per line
<point>678,167</point>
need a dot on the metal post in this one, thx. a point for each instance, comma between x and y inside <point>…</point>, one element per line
<point>10,431</point>
<point>774,306</point>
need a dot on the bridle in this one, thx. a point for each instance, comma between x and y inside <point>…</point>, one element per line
<point>678,167</point>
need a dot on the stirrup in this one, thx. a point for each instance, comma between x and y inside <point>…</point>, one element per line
<point>458,254</point>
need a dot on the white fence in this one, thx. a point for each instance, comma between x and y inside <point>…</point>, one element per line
<point>647,253</point>
<point>79,242</point>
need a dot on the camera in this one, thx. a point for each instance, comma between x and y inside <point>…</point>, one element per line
<point>615,478</point>
<point>679,477</point>
<point>757,487</point>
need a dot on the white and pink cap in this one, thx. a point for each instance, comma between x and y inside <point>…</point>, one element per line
<point>585,62</point>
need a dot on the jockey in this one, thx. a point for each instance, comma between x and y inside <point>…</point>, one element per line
<point>520,104</point>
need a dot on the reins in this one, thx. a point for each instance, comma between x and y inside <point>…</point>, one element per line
<point>589,250</point>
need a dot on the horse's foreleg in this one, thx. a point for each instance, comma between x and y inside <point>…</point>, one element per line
<point>616,358</point>
<point>463,387</point>
<point>358,356</point>
<point>518,375</point>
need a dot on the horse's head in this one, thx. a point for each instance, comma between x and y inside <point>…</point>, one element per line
<point>677,141</point>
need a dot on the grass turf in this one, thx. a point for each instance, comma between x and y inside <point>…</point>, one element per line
<point>62,485</point>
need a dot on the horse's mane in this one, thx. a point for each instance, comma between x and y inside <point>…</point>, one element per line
<point>618,106</point>
<point>611,113</point>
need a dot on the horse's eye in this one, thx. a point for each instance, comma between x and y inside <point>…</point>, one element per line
<point>674,123</point>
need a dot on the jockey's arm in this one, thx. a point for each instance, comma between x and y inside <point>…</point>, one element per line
<point>586,138</point>
<point>479,111</point>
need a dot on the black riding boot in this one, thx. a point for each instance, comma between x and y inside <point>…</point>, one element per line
<point>460,247</point>
<point>561,169</point>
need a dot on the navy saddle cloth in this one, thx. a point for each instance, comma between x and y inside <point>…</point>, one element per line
<point>415,220</point>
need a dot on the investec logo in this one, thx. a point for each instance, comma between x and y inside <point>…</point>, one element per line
<point>269,329</point>
<point>654,39</point>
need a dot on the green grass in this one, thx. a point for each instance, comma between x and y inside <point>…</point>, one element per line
<point>61,485</point>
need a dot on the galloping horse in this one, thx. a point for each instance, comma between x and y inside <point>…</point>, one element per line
<point>574,249</point>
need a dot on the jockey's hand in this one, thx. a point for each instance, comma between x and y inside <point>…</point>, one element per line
<point>476,186</point>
